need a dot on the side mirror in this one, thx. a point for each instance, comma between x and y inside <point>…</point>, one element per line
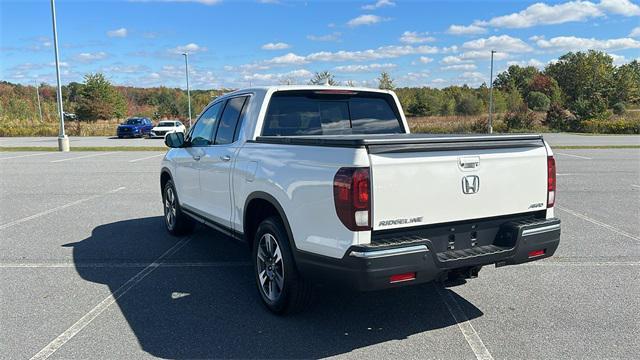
<point>174,140</point>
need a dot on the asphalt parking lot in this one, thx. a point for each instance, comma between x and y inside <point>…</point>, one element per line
<point>88,271</point>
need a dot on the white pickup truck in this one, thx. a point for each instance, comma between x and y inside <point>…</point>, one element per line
<point>327,186</point>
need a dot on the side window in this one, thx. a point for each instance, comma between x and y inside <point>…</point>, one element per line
<point>229,120</point>
<point>202,131</point>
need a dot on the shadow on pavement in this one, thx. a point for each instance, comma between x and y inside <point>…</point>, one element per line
<point>188,311</point>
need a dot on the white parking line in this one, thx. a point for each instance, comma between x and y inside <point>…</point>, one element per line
<point>575,156</point>
<point>634,185</point>
<point>20,221</point>
<point>72,331</point>
<point>146,158</point>
<point>22,156</point>
<point>63,265</point>
<point>84,157</point>
<point>470,334</point>
<point>599,223</point>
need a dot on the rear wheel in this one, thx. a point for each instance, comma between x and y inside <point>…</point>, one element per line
<point>280,286</point>
<point>176,222</point>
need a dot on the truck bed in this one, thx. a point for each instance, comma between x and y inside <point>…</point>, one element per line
<point>410,142</point>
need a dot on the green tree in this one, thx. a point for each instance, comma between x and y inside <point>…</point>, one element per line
<point>469,104</point>
<point>514,100</point>
<point>323,78</point>
<point>99,100</point>
<point>627,83</point>
<point>538,101</point>
<point>516,77</point>
<point>584,77</point>
<point>385,81</point>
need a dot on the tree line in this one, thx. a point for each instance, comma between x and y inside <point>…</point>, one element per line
<point>578,87</point>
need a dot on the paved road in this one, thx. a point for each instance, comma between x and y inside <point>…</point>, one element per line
<point>554,139</point>
<point>84,261</point>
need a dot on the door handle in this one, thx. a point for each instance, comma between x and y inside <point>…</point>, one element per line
<point>225,157</point>
<point>196,157</point>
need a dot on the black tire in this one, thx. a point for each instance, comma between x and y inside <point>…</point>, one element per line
<point>295,293</point>
<point>176,222</point>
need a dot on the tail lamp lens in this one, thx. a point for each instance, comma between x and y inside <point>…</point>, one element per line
<point>352,198</point>
<point>551,181</point>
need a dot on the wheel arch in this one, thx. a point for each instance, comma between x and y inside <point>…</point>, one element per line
<point>258,206</point>
<point>165,175</point>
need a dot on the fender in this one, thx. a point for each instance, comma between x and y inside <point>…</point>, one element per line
<point>273,201</point>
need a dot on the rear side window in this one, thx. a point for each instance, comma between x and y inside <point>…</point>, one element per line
<point>293,113</point>
<point>202,131</point>
<point>229,120</point>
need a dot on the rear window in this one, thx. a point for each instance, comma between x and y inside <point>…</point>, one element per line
<point>293,113</point>
<point>166,124</point>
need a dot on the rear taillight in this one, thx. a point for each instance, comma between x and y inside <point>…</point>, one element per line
<point>551,181</point>
<point>352,198</point>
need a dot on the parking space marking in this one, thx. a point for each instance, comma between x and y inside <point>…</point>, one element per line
<point>575,156</point>
<point>634,185</point>
<point>22,156</point>
<point>599,223</point>
<point>470,334</point>
<point>83,157</point>
<point>62,265</point>
<point>72,331</point>
<point>47,212</point>
<point>146,158</point>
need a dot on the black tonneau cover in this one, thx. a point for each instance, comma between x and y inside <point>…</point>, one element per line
<point>410,142</point>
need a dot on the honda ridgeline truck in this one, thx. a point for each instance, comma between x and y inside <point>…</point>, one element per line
<point>327,185</point>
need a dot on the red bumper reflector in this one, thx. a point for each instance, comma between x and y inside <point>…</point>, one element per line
<point>402,277</point>
<point>536,253</point>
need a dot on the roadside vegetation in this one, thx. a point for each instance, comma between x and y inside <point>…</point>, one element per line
<point>580,92</point>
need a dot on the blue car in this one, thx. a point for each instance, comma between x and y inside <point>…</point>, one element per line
<point>135,127</point>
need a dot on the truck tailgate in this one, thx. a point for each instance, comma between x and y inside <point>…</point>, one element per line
<point>456,179</point>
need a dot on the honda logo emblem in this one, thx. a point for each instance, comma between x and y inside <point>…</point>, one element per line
<point>470,184</point>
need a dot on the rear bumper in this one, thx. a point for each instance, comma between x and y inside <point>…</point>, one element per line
<point>370,267</point>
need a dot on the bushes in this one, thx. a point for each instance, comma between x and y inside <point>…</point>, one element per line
<point>561,119</point>
<point>523,118</point>
<point>620,126</point>
<point>469,104</point>
<point>619,108</point>
<point>538,101</point>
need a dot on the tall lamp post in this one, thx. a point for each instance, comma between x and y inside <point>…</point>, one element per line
<point>63,140</point>
<point>491,95</point>
<point>186,70</point>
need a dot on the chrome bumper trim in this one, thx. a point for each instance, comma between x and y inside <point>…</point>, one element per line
<point>389,252</point>
<point>540,230</point>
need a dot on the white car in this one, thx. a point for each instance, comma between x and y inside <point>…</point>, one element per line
<point>165,127</point>
<point>326,185</point>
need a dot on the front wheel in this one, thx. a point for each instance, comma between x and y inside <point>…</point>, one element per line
<point>176,222</point>
<point>280,286</point>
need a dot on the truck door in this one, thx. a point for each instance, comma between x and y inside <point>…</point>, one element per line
<point>217,162</point>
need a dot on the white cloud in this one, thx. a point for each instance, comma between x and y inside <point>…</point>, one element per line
<point>572,43</point>
<point>531,62</point>
<point>335,36</point>
<point>619,59</point>
<point>122,32</point>
<point>503,43</point>
<point>276,46</point>
<point>413,37</point>
<point>543,14</point>
<point>460,67</point>
<point>425,59</point>
<point>190,48</point>
<point>363,68</point>
<point>272,77</point>
<point>91,57</point>
<point>365,20</point>
<point>378,4</point>
<point>484,55</point>
<point>466,30</point>
<point>635,32</point>
<point>453,60</point>
<point>473,77</point>
<point>620,7</point>
<point>288,59</point>
<point>383,52</point>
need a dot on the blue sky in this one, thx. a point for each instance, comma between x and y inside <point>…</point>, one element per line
<point>238,43</point>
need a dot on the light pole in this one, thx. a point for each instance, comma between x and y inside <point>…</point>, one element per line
<point>186,70</point>
<point>63,140</point>
<point>491,95</point>
<point>38,97</point>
